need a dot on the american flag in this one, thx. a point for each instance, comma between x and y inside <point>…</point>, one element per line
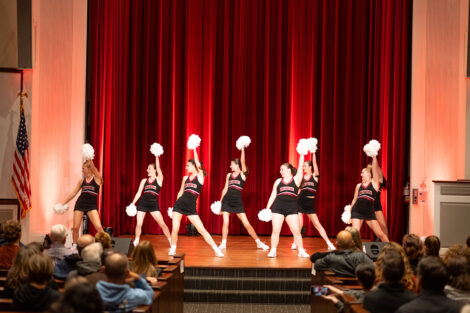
<point>20,176</point>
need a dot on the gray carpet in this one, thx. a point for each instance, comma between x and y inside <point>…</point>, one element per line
<point>191,307</point>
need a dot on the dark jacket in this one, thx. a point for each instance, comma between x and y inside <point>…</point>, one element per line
<point>89,270</point>
<point>342,263</point>
<point>387,298</point>
<point>433,302</point>
<point>63,268</point>
<point>30,299</point>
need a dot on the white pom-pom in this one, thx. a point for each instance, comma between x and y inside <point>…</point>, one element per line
<point>265,215</point>
<point>312,144</point>
<point>170,212</point>
<point>193,142</point>
<point>156,149</point>
<point>131,210</point>
<point>303,147</point>
<point>346,216</point>
<point>88,153</point>
<point>372,148</point>
<point>243,142</point>
<point>60,209</point>
<point>215,207</point>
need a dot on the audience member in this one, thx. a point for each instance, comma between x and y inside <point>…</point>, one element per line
<point>12,236</point>
<point>413,247</point>
<point>390,294</point>
<point>63,268</point>
<point>115,292</point>
<point>104,239</point>
<point>38,294</point>
<point>432,245</point>
<point>144,261</point>
<point>432,277</point>
<point>344,260</point>
<point>57,250</point>
<point>408,278</point>
<point>356,236</point>
<point>90,266</point>
<point>18,275</point>
<point>73,299</point>
<point>457,262</point>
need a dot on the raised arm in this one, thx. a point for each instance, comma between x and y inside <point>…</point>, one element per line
<point>198,164</point>
<point>356,192</point>
<point>180,193</point>
<point>74,192</point>
<point>96,175</point>
<point>300,174</point>
<point>242,161</point>
<point>224,191</point>
<point>273,194</point>
<point>316,172</point>
<point>376,173</point>
<point>159,171</point>
<point>139,192</point>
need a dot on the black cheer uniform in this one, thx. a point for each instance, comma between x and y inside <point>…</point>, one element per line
<point>88,197</point>
<point>364,207</point>
<point>378,203</point>
<point>149,200</point>
<point>232,200</point>
<point>308,189</point>
<point>286,199</point>
<point>186,204</point>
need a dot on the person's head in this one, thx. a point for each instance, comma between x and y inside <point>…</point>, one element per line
<point>104,239</point>
<point>18,273</point>
<point>39,268</point>
<point>105,254</point>
<point>86,169</point>
<point>92,253</point>
<point>457,262</point>
<point>151,170</point>
<point>36,246</point>
<point>307,167</point>
<point>432,245</point>
<point>413,247</point>
<point>236,166</point>
<point>365,274</point>
<point>408,277</point>
<point>83,241</point>
<point>144,259</point>
<point>72,299</point>
<point>366,175</point>
<point>287,170</point>
<point>192,169</point>
<point>12,231</point>
<point>392,266</point>
<point>58,234</point>
<point>116,267</point>
<point>432,274</point>
<point>344,240</point>
<point>356,236</point>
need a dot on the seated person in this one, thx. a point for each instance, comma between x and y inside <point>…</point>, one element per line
<point>12,236</point>
<point>18,275</point>
<point>390,294</point>
<point>432,245</point>
<point>63,268</point>
<point>144,261</point>
<point>414,250</point>
<point>115,292</point>
<point>457,262</point>
<point>57,250</point>
<point>432,277</point>
<point>104,239</point>
<point>72,300</point>
<point>343,261</point>
<point>38,294</point>
<point>90,265</point>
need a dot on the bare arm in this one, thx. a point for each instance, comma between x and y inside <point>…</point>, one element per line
<point>300,174</point>
<point>242,161</point>
<point>316,172</point>
<point>180,193</point>
<point>96,175</point>
<point>139,192</point>
<point>200,173</point>
<point>376,173</point>
<point>224,191</point>
<point>74,192</point>
<point>356,192</point>
<point>273,194</point>
<point>159,171</point>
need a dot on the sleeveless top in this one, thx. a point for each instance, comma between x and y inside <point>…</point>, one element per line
<point>309,187</point>
<point>150,193</point>
<point>89,194</point>
<point>287,191</point>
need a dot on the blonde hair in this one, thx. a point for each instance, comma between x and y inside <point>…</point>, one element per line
<point>356,236</point>
<point>408,278</point>
<point>144,259</point>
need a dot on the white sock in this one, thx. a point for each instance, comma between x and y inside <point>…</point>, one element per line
<point>257,240</point>
<point>173,247</point>
<point>273,250</point>
<point>215,247</point>
<point>224,242</point>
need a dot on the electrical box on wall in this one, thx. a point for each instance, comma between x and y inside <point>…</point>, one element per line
<point>415,196</point>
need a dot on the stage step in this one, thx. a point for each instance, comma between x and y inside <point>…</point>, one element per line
<point>247,285</point>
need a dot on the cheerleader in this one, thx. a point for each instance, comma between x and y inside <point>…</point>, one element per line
<point>306,199</point>
<point>87,201</point>
<point>379,214</point>
<point>149,201</point>
<point>231,200</point>
<point>283,200</point>
<point>362,206</point>
<point>186,204</point>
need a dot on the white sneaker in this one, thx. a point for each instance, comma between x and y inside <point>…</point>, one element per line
<point>293,247</point>
<point>172,252</point>
<point>218,253</point>
<point>136,242</point>
<point>272,254</point>
<point>303,254</point>
<point>222,246</point>
<point>262,245</point>
<point>331,247</point>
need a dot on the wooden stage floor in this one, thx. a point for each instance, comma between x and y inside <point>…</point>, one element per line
<point>241,251</point>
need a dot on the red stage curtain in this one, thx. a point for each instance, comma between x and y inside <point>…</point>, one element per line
<point>276,71</point>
